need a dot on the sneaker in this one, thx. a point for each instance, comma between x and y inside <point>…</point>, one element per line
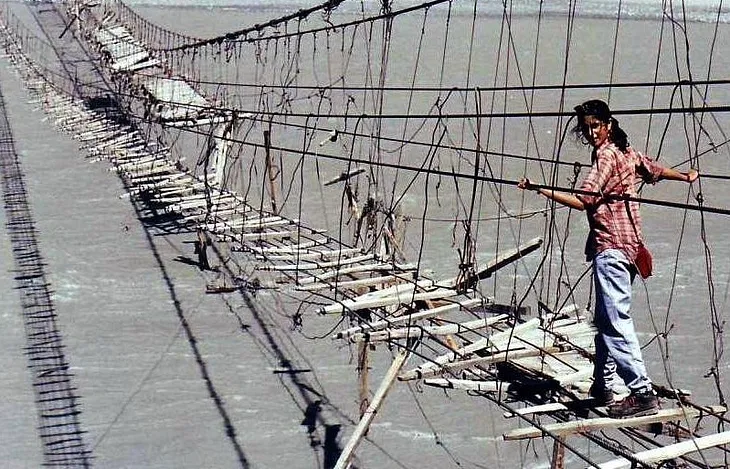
<point>601,395</point>
<point>635,405</point>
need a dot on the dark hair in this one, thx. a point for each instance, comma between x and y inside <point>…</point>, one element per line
<point>599,110</point>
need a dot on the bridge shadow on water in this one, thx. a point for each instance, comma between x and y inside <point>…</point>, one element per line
<point>57,404</point>
<point>307,395</point>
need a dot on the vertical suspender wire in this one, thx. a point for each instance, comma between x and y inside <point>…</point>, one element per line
<point>379,103</point>
<point>465,122</point>
<point>507,5</point>
<point>467,256</point>
<point>531,133</point>
<point>495,446</point>
<point>656,77</point>
<point>409,105</point>
<point>717,327</point>
<point>550,225</point>
<point>716,319</point>
<point>368,33</point>
<point>704,100</point>
<point>613,54</point>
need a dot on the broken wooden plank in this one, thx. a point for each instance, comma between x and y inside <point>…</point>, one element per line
<point>345,175</point>
<point>588,425</point>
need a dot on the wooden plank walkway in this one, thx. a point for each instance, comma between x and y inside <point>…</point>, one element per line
<point>390,302</point>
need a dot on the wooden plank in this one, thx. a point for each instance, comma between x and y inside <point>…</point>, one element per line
<point>406,298</point>
<point>486,270</point>
<point>142,65</point>
<point>312,254</point>
<point>397,289</point>
<point>351,284</point>
<point>425,372</point>
<point>415,331</point>
<point>576,405</point>
<point>537,409</point>
<point>317,265</point>
<point>357,435</point>
<point>581,375</point>
<point>565,367</point>
<point>290,248</point>
<point>263,235</point>
<point>408,318</point>
<point>588,425</point>
<point>665,453</point>
<point>476,346</point>
<point>194,121</point>
<point>467,384</point>
<point>242,225</point>
<point>380,267</point>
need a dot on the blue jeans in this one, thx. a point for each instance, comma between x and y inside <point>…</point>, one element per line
<point>618,354</point>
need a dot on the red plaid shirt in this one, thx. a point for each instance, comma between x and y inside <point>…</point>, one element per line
<point>615,173</point>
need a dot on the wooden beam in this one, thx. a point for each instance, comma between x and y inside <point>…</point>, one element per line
<point>665,453</point>
<point>588,425</point>
<point>558,459</point>
<point>289,248</point>
<point>362,427</point>
<point>271,172</point>
<point>486,270</point>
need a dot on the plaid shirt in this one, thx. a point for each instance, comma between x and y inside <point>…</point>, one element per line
<point>615,173</point>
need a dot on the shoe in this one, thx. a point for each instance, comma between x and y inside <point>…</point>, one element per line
<point>635,405</point>
<point>601,395</point>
